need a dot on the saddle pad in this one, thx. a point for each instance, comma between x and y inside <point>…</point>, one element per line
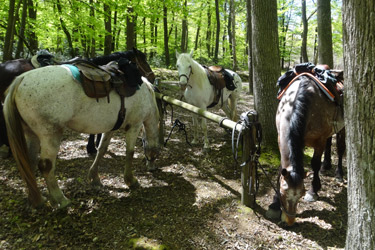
<point>74,71</point>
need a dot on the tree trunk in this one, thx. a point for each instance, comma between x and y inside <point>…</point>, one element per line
<point>33,40</point>
<point>233,42</point>
<point>304,33</point>
<point>208,34</point>
<point>21,35</point>
<point>184,29</point>
<point>359,69</point>
<point>108,29</point>
<point>92,38</point>
<point>165,22</point>
<point>130,29</point>
<point>249,46</point>
<point>325,52</point>
<point>65,29</point>
<point>266,65</point>
<point>216,55</point>
<point>8,43</point>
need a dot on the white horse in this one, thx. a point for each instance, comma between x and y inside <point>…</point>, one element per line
<point>199,92</point>
<point>43,102</point>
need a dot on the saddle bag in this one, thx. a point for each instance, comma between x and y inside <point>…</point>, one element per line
<point>95,81</point>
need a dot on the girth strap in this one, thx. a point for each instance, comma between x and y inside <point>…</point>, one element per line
<point>121,114</point>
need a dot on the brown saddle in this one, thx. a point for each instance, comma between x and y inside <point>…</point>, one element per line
<point>97,82</point>
<point>215,75</point>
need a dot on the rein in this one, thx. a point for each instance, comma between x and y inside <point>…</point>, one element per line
<point>145,72</point>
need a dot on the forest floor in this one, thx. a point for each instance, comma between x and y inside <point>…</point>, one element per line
<point>191,202</point>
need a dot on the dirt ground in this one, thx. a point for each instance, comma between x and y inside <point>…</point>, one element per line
<point>191,202</point>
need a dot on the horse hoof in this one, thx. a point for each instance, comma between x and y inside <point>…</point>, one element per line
<point>91,152</point>
<point>273,214</point>
<point>151,166</point>
<point>310,197</point>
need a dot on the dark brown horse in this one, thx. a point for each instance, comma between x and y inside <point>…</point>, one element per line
<point>305,117</point>
<point>10,69</point>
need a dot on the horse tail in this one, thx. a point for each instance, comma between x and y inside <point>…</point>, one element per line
<point>297,128</point>
<point>17,142</point>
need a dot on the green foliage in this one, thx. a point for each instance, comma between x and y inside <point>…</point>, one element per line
<point>85,27</point>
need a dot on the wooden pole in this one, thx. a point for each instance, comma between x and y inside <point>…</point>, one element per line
<point>223,121</point>
<point>249,132</point>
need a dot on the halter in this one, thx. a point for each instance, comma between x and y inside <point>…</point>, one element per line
<point>145,72</point>
<point>187,76</point>
<point>282,207</point>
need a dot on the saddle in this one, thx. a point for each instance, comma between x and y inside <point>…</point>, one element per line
<point>329,81</point>
<point>99,81</point>
<point>219,78</point>
<point>42,60</point>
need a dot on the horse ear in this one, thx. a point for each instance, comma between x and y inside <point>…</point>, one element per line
<point>177,54</point>
<point>191,53</point>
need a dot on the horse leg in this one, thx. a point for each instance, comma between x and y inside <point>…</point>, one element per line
<point>233,106</point>
<point>195,129</point>
<point>327,162</point>
<point>47,163</point>
<point>90,148</point>
<point>151,142</point>
<point>130,139</point>
<point>206,144</point>
<point>340,145</point>
<point>33,148</point>
<point>93,175</point>
<point>312,194</point>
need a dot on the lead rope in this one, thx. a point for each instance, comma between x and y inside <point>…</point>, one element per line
<point>181,127</point>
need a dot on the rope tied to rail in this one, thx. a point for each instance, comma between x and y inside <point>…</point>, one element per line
<point>181,127</point>
<point>249,123</point>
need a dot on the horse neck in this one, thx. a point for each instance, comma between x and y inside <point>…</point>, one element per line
<point>298,122</point>
<point>198,73</point>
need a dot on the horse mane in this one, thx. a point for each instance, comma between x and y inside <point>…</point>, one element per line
<point>298,120</point>
<point>102,60</point>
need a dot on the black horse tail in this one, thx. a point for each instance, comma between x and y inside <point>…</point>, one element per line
<point>297,128</point>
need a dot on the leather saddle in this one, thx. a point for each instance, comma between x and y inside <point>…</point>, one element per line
<point>98,81</point>
<point>219,79</point>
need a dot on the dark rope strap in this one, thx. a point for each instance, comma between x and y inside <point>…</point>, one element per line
<point>121,114</point>
<point>181,127</point>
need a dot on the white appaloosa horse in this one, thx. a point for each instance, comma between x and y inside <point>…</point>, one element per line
<point>43,102</point>
<point>199,92</point>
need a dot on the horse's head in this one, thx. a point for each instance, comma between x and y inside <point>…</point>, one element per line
<point>144,67</point>
<point>292,188</point>
<point>184,62</point>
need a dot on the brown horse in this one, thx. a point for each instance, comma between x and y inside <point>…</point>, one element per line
<point>10,69</point>
<point>305,117</point>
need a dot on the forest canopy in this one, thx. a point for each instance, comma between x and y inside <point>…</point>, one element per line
<point>88,28</point>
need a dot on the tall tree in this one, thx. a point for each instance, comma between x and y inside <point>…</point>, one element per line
<point>130,28</point>
<point>233,35</point>
<point>359,69</point>
<point>249,45</point>
<point>8,43</point>
<point>266,65</point>
<point>208,33</point>
<point>65,29</point>
<point>184,35</point>
<point>217,11</point>
<point>304,33</point>
<point>21,34</point>
<point>166,35</point>
<point>325,52</point>
<point>32,22</point>
<point>108,29</point>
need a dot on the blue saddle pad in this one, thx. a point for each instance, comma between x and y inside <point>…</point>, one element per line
<point>75,72</point>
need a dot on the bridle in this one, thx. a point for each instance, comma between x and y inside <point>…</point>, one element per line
<point>187,76</point>
<point>144,71</point>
